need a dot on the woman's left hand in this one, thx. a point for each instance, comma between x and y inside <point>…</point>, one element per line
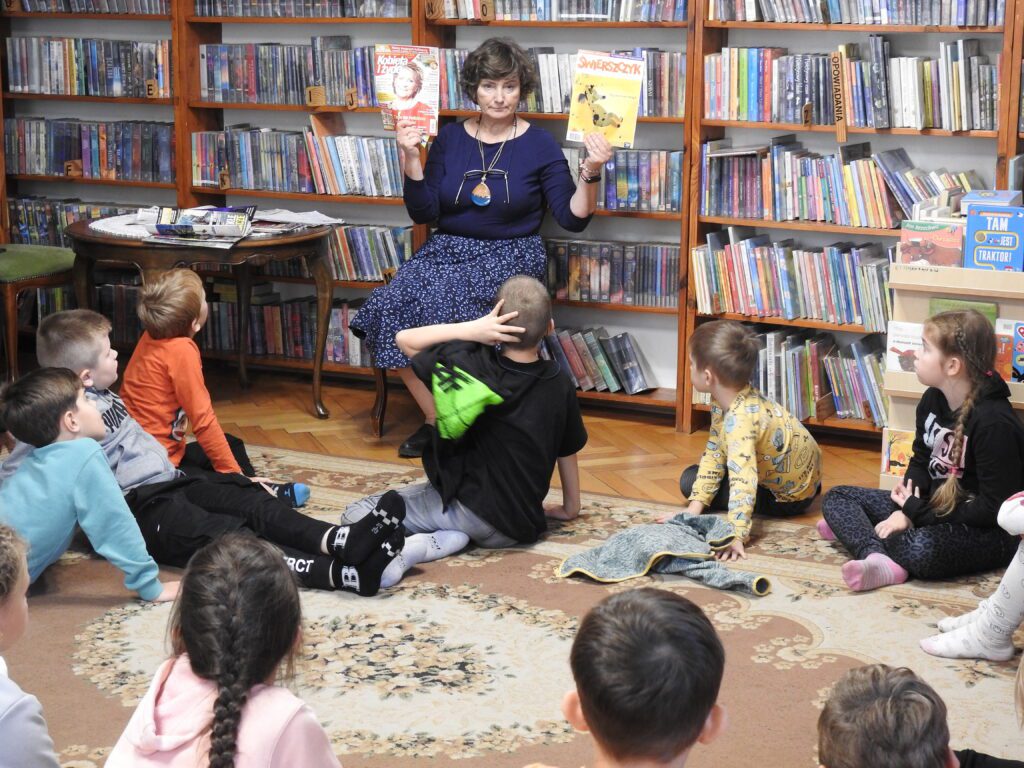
<point>599,152</point>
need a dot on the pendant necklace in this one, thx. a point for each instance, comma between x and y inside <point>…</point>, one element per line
<point>481,194</point>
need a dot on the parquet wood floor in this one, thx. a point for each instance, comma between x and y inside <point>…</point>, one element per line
<point>628,454</point>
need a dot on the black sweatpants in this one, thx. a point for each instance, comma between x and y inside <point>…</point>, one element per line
<point>929,552</point>
<point>195,462</point>
<point>180,517</point>
<point>764,502</point>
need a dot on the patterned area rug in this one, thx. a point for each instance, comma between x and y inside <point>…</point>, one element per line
<point>465,662</point>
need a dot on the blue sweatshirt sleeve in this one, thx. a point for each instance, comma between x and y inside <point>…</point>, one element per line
<point>111,527</point>
<point>558,187</point>
<point>26,741</point>
<point>422,197</point>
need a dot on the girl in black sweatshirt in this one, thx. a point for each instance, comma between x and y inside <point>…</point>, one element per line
<point>968,458</point>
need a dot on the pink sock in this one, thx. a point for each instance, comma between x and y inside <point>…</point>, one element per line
<point>825,531</point>
<point>874,571</point>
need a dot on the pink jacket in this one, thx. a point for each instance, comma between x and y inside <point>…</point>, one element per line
<point>171,726</point>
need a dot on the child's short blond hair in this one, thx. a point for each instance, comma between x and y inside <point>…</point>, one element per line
<point>883,717</point>
<point>726,348</point>
<point>12,559</point>
<point>527,296</point>
<point>71,339</point>
<point>169,305</point>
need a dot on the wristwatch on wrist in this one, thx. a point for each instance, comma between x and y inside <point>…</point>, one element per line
<point>589,179</point>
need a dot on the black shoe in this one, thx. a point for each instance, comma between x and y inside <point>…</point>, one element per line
<point>413,446</point>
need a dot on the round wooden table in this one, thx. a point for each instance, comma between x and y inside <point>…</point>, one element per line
<point>152,260</point>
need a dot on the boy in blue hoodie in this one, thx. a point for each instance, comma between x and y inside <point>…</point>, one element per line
<point>65,481</point>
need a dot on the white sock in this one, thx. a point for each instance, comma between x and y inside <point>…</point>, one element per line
<point>969,642</point>
<point>1011,515</point>
<point>950,623</point>
<point>443,543</point>
<point>990,634</point>
<point>422,548</point>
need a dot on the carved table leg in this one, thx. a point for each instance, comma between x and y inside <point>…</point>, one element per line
<point>81,274</point>
<point>243,277</point>
<point>316,262</point>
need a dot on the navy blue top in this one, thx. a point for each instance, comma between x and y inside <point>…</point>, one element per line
<point>539,178</point>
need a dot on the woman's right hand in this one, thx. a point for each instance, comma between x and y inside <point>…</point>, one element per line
<point>408,136</point>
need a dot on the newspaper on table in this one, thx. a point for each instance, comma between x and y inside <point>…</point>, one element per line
<point>606,91</point>
<point>407,82</point>
<point>206,227</point>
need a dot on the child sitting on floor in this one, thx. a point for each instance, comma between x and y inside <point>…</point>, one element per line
<point>236,625</point>
<point>987,631</point>
<point>759,459</point>
<point>882,717</point>
<point>26,742</point>
<point>648,665</point>
<point>66,482</point>
<point>165,391</point>
<point>968,457</point>
<point>489,481</point>
<point>179,515</point>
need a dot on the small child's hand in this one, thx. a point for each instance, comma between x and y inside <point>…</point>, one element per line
<point>168,593</point>
<point>492,329</point>
<point>903,491</point>
<point>733,552</point>
<point>895,523</point>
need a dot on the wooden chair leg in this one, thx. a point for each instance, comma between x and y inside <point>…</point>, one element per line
<point>11,329</point>
<point>380,403</point>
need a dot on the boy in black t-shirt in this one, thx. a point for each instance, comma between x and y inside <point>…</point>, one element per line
<point>505,419</point>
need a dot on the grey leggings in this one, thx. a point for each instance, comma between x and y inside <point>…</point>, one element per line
<point>424,513</point>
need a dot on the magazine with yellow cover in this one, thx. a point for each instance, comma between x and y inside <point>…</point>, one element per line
<point>606,91</point>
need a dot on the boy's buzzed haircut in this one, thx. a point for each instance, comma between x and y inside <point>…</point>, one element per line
<point>648,666</point>
<point>883,717</point>
<point>170,304</point>
<point>727,348</point>
<point>71,339</point>
<point>528,297</point>
<point>32,407</point>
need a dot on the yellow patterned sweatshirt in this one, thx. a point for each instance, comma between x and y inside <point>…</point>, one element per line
<point>760,443</point>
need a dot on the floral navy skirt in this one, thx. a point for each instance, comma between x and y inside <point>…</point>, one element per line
<point>450,279</point>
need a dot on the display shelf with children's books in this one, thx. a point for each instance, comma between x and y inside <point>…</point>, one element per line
<point>812,128</point>
<point>80,16</point>
<point>916,288</point>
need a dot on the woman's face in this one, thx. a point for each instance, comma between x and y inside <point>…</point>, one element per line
<point>498,98</point>
<point>405,83</point>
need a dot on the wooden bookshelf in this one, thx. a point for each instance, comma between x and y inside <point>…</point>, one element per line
<point>814,128</point>
<point>99,182</point>
<point>72,97</point>
<point>78,16</point>
<point>193,19</point>
<point>795,323</point>
<point>561,24</point>
<point>708,37</point>
<point>859,426</point>
<point>327,108</point>
<point>867,29</point>
<point>351,199</point>
<point>605,306</point>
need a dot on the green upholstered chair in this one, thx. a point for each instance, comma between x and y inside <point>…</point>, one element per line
<point>23,267</point>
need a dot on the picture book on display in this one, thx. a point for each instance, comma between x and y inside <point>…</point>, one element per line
<point>988,308</point>
<point>939,243</point>
<point>897,450</point>
<point>902,343</point>
<point>407,83</point>
<point>995,237</point>
<point>605,97</point>
<point>1007,334</point>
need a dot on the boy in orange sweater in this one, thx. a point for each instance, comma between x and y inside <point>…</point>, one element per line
<point>165,391</point>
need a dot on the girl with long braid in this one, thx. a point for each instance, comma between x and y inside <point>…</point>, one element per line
<point>968,458</point>
<point>236,624</point>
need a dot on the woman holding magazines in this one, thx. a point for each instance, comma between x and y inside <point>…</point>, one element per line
<point>487,183</point>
